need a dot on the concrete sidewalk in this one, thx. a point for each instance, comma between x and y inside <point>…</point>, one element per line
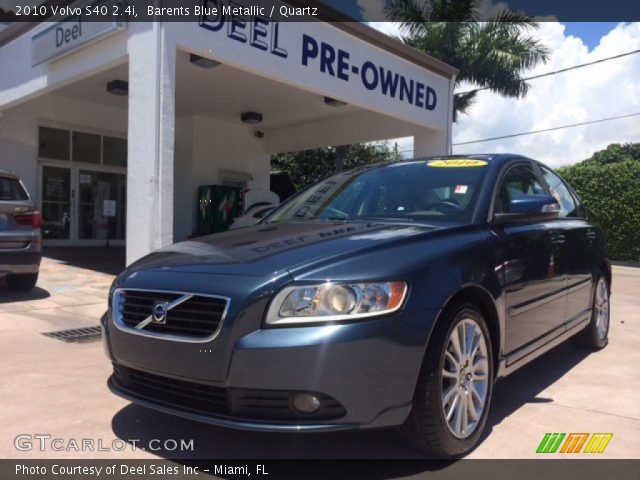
<point>60,389</point>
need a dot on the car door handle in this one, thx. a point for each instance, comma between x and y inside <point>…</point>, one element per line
<point>558,238</point>
<point>591,235</point>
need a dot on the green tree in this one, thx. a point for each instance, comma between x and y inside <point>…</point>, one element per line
<point>308,166</point>
<point>490,55</point>
<point>608,183</point>
<point>615,153</point>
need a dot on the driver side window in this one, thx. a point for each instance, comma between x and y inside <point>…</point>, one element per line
<point>520,180</point>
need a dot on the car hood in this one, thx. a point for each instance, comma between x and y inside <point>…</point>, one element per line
<point>270,249</point>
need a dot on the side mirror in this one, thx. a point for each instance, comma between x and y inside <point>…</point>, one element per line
<point>528,208</point>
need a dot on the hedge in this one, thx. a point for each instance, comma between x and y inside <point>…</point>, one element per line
<point>611,194</point>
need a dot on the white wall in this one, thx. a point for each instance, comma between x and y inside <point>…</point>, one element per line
<point>20,81</point>
<point>204,146</point>
<point>19,129</point>
<point>355,128</point>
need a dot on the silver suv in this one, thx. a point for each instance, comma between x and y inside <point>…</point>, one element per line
<point>20,237</point>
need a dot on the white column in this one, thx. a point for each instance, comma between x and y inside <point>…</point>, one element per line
<point>151,141</point>
<point>430,142</point>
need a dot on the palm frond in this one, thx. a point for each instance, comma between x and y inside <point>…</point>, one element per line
<point>412,14</point>
<point>494,55</point>
<point>462,102</point>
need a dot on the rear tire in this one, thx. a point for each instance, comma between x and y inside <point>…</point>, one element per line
<point>22,282</point>
<point>448,377</point>
<point>596,335</point>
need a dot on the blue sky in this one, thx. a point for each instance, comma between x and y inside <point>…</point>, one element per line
<point>589,32</point>
<point>601,90</point>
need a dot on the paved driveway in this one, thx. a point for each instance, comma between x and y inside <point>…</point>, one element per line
<point>56,388</point>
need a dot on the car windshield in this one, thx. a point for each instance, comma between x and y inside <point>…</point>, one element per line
<point>430,190</point>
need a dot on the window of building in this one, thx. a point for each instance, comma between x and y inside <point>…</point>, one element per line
<point>86,147</point>
<point>114,151</point>
<point>83,147</point>
<point>54,143</point>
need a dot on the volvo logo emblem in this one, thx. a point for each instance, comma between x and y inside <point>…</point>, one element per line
<point>159,312</point>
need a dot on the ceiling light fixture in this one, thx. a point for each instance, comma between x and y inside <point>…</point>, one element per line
<point>252,118</point>
<point>118,87</point>
<point>333,102</point>
<point>202,62</point>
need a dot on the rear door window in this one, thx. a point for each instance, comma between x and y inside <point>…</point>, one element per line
<point>11,190</point>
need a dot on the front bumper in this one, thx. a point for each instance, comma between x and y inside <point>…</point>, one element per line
<point>391,417</point>
<point>370,367</point>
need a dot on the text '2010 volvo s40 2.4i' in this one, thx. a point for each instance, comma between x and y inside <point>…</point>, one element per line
<point>387,296</point>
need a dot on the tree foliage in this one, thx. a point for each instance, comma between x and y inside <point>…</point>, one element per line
<point>609,185</point>
<point>491,55</point>
<point>615,153</point>
<point>309,166</point>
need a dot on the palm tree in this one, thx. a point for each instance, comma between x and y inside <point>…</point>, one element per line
<point>490,55</point>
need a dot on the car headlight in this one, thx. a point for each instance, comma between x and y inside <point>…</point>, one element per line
<point>329,302</point>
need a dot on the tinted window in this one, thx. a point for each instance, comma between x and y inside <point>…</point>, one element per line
<point>520,180</point>
<point>561,193</point>
<point>54,143</point>
<point>86,147</point>
<point>11,189</point>
<point>114,151</point>
<point>412,190</point>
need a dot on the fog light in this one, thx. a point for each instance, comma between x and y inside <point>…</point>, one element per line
<point>306,403</point>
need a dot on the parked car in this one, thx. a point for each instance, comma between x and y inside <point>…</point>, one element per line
<point>252,215</point>
<point>391,295</point>
<point>20,237</point>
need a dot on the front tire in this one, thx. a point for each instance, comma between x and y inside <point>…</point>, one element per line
<point>22,282</point>
<point>453,394</point>
<point>596,335</point>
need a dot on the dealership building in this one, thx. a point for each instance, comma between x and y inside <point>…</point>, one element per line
<point>114,125</point>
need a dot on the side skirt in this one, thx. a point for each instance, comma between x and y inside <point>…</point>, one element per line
<point>514,360</point>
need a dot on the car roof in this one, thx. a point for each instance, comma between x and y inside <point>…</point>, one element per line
<point>7,174</point>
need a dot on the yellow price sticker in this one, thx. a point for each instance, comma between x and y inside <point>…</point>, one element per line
<point>457,162</point>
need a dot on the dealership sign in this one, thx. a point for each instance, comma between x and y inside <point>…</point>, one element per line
<point>70,34</point>
<point>321,57</point>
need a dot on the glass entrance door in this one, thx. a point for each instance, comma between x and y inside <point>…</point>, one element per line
<point>94,189</point>
<point>73,206</point>
<point>56,204</point>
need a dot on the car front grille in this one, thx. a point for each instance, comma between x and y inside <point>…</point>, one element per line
<point>199,316</point>
<point>242,403</point>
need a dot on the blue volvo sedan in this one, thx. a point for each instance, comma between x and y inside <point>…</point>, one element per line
<point>393,295</point>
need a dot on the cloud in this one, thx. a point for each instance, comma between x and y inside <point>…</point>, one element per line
<point>599,91</point>
<point>372,9</point>
<point>603,90</point>
<point>393,29</point>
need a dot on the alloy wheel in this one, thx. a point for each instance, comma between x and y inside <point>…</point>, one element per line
<point>601,308</point>
<point>465,378</point>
